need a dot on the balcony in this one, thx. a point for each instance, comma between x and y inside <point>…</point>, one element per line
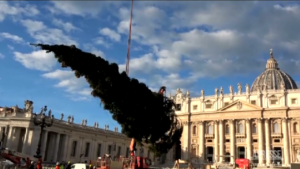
<point>209,135</point>
<point>276,135</point>
<point>240,134</point>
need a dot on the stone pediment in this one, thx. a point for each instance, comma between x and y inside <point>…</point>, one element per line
<point>240,105</point>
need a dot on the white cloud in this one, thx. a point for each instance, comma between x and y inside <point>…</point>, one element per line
<point>41,33</point>
<point>16,9</point>
<point>172,81</point>
<point>10,47</point>
<point>100,41</point>
<point>67,26</point>
<point>76,87</point>
<point>81,8</point>
<point>113,35</point>
<point>201,39</point>
<point>148,25</point>
<point>98,53</point>
<point>211,41</point>
<point>1,56</point>
<point>11,37</point>
<point>94,50</point>
<point>293,9</point>
<point>38,60</point>
<point>33,26</point>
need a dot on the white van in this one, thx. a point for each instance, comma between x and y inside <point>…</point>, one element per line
<point>80,166</point>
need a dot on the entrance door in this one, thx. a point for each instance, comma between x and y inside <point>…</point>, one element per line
<point>276,155</point>
<point>210,154</point>
<point>241,152</point>
<point>255,157</point>
<point>194,151</point>
<point>227,157</point>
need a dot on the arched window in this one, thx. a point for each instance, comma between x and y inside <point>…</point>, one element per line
<point>210,129</point>
<point>276,128</point>
<point>194,130</point>
<point>241,128</point>
<point>254,129</point>
<point>296,128</point>
<point>227,129</point>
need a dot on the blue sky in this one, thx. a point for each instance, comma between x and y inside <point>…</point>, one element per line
<point>187,45</point>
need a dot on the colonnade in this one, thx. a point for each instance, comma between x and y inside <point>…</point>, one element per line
<point>264,139</point>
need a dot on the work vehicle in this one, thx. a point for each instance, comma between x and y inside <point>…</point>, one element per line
<point>17,158</point>
<point>79,166</point>
<point>242,163</point>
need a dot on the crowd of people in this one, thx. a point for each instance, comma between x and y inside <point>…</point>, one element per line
<point>57,166</point>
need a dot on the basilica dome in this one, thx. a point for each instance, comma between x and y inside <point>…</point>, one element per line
<point>273,78</point>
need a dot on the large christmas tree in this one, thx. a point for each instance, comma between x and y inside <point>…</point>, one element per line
<point>144,115</point>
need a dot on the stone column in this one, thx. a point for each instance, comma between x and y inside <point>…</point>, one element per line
<point>56,147</point>
<point>216,148</point>
<point>222,142</point>
<point>268,144</point>
<point>185,136</point>
<point>66,148</point>
<point>9,137</point>
<point>25,141</point>
<point>260,142</point>
<point>94,149</point>
<point>285,142</point>
<point>290,141</point>
<point>201,140</point>
<point>249,138</point>
<point>232,142</point>
<point>44,144</point>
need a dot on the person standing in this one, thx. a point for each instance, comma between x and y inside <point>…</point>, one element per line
<point>68,165</point>
<point>39,164</point>
<point>31,165</point>
<point>57,165</point>
<point>61,166</point>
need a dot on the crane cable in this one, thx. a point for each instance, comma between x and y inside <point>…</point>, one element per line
<point>132,144</point>
<point>129,41</point>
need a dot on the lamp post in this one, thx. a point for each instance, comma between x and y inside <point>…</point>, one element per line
<point>43,122</point>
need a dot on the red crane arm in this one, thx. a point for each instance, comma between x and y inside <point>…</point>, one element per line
<point>129,41</point>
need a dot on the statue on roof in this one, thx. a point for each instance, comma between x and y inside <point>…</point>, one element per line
<point>216,91</point>
<point>202,92</point>
<point>239,88</point>
<point>221,90</point>
<point>247,88</point>
<point>187,93</point>
<point>231,89</point>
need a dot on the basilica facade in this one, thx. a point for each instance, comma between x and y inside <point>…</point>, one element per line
<point>64,140</point>
<point>260,123</point>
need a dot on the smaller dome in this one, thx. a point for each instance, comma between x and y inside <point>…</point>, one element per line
<point>273,78</point>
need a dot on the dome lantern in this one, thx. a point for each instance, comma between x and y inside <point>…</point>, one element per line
<point>272,63</point>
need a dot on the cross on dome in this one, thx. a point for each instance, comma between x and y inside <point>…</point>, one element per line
<point>271,52</point>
